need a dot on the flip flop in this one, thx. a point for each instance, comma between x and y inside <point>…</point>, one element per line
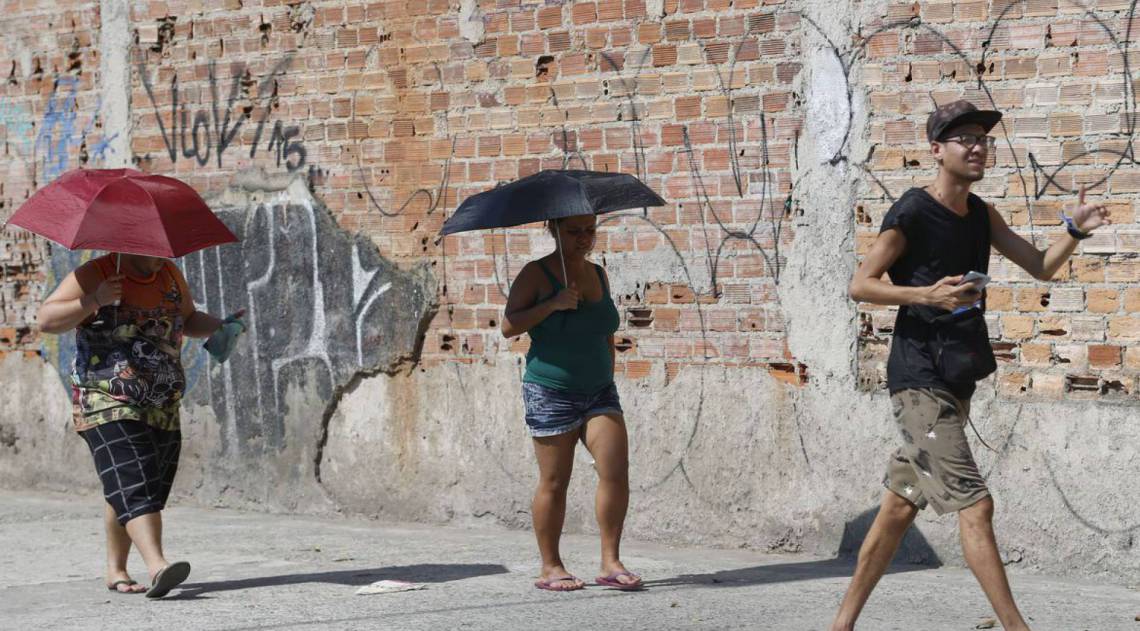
<point>612,581</point>
<point>114,587</point>
<point>550,584</point>
<point>168,578</point>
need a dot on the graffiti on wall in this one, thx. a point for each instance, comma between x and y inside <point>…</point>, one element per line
<point>17,123</point>
<point>204,131</point>
<point>316,326</point>
<point>61,137</point>
<point>322,308</point>
<point>57,136</point>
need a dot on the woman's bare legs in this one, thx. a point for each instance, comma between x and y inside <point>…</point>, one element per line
<point>608,444</point>
<point>555,456</point>
<point>118,548</point>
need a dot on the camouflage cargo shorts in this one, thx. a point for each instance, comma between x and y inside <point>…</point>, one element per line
<point>934,465</point>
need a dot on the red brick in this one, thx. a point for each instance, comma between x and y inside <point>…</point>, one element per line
<point>584,12</point>
<point>1103,356</point>
<point>550,17</point>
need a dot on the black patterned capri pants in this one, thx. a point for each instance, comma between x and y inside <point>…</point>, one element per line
<point>136,463</point>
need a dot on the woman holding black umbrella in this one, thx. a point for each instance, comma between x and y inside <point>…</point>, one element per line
<point>569,394</point>
<point>563,301</point>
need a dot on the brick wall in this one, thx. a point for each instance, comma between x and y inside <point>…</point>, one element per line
<point>395,117</point>
<point>49,122</point>
<point>395,111</point>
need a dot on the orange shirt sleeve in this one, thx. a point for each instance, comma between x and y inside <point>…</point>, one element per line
<point>183,288</point>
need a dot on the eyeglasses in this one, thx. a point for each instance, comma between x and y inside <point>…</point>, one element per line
<point>969,141</point>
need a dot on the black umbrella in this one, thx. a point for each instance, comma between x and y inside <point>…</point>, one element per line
<point>551,194</point>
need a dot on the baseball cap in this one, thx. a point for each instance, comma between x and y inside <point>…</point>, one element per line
<point>961,112</point>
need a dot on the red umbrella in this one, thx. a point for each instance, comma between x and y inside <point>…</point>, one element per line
<point>122,210</point>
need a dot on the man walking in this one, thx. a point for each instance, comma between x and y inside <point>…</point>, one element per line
<point>935,245</point>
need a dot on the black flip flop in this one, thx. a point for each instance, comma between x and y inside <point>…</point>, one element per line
<point>114,587</point>
<point>168,578</point>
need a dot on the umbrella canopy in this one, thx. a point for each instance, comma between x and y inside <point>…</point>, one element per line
<point>122,210</point>
<point>551,194</point>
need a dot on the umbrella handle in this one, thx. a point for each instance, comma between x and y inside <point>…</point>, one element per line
<point>115,317</point>
<point>118,266</point>
<point>561,259</point>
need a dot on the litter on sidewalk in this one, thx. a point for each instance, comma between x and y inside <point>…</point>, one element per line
<point>388,587</point>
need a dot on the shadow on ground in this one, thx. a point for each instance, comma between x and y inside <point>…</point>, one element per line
<point>914,548</point>
<point>775,573</point>
<point>915,554</point>
<point>421,573</point>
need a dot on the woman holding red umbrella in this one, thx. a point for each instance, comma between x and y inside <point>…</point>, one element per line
<point>130,313</point>
<point>127,387</point>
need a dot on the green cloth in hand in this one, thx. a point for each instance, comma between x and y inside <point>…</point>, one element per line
<point>223,341</point>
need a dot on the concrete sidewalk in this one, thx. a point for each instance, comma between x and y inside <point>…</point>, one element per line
<point>258,571</point>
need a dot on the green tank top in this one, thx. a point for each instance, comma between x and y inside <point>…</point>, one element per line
<point>570,350</point>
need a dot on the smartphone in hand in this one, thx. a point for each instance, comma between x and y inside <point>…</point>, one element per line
<point>979,279</point>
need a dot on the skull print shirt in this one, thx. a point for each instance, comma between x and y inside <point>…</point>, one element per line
<point>128,363</point>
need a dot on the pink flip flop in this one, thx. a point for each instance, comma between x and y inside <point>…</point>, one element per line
<point>551,584</point>
<point>612,581</point>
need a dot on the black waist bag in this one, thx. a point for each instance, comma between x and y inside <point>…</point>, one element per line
<point>960,346</point>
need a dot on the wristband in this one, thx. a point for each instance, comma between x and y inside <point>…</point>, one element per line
<point>1071,226</point>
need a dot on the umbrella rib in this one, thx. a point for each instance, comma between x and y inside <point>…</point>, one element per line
<point>79,224</point>
<point>161,219</point>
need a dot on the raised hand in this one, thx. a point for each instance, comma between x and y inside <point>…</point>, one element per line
<point>1089,217</point>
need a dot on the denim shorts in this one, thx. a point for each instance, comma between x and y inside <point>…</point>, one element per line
<point>550,411</point>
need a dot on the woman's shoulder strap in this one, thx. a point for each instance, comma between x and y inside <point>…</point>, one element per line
<point>549,274</point>
<point>602,277</point>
